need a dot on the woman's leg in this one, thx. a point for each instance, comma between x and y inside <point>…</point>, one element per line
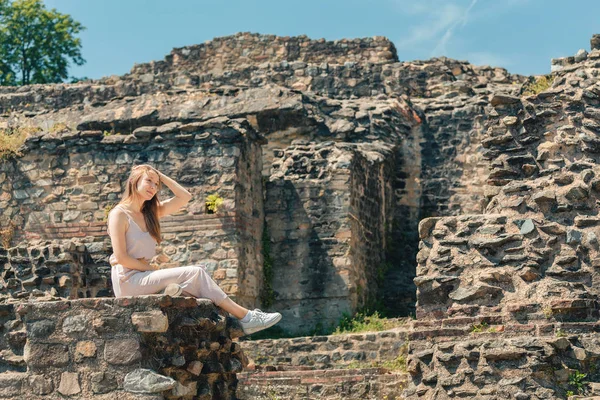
<point>233,308</point>
<point>194,281</point>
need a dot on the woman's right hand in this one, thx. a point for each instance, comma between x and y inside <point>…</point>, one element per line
<point>154,267</point>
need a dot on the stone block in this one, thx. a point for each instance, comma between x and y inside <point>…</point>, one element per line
<point>39,355</point>
<point>122,351</point>
<point>103,382</point>
<point>85,349</point>
<point>151,321</point>
<point>147,381</point>
<point>41,384</point>
<point>69,384</point>
<point>75,324</point>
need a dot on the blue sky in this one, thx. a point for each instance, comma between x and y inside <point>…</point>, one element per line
<point>520,35</point>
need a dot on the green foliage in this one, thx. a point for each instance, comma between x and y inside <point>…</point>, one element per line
<point>36,44</point>
<point>382,270</point>
<point>361,322</point>
<point>364,322</point>
<point>213,202</point>
<point>560,333</point>
<point>398,364</point>
<point>58,127</point>
<point>107,210</point>
<point>538,85</point>
<point>577,382</point>
<point>272,395</point>
<point>478,328</point>
<point>77,80</point>
<point>6,234</point>
<point>13,138</point>
<point>268,294</point>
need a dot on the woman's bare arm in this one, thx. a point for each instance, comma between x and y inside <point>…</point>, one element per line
<point>117,225</point>
<point>174,204</point>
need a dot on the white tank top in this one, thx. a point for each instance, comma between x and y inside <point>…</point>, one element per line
<point>139,243</point>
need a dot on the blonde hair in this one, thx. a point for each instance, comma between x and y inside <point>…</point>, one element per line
<point>150,207</point>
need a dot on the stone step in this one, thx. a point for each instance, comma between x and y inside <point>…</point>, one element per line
<point>466,326</point>
<point>292,383</point>
<point>327,352</point>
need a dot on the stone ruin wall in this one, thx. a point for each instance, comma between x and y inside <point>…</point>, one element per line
<point>323,206</point>
<point>242,49</point>
<point>430,112</point>
<point>146,348</point>
<point>438,87</point>
<point>515,287</point>
<point>57,204</point>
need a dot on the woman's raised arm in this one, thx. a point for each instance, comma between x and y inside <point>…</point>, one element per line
<point>174,204</point>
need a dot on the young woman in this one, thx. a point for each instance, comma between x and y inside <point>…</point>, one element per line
<point>134,230</point>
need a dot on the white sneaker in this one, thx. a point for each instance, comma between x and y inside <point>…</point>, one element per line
<point>173,290</point>
<point>260,320</point>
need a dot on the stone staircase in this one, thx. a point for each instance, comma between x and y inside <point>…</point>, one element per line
<point>352,366</point>
<point>484,357</point>
<point>308,383</point>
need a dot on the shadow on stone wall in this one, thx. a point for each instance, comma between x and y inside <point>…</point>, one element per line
<point>302,244</point>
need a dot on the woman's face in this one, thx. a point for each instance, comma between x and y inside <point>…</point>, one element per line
<point>147,186</point>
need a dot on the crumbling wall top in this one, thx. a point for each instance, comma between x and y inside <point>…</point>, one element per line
<point>243,49</point>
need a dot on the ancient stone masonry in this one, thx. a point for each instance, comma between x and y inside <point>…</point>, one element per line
<point>293,92</point>
<point>321,200</point>
<point>338,149</point>
<point>327,351</point>
<point>72,201</point>
<point>328,367</point>
<point>247,49</point>
<point>151,347</point>
<point>525,267</point>
<point>45,269</point>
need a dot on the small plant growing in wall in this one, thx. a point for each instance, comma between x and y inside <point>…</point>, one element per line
<point>58,127</point>
<point>577,382</point>
<point>213,203</point>
<point>538,84</point>
<point>11,140</point>
<point>478,328</point>
<point>268,294</point>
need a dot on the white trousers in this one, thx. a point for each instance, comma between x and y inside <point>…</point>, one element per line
<point>194,280</point>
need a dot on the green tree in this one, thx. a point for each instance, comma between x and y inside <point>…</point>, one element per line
<point>36,44</point>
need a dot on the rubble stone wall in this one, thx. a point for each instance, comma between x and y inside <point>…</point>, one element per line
<point>247,48</point>
<point>505,267</point>
<point>102,348</point>
<point>63,187</point>
<point>371,212</point>
<point>515,287</point>
<point>306,211</point>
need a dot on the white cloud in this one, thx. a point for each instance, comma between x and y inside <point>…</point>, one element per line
<point>437,18</point>
<point>440,20</point>
<point>440,48</point>
<point>487,58</point>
